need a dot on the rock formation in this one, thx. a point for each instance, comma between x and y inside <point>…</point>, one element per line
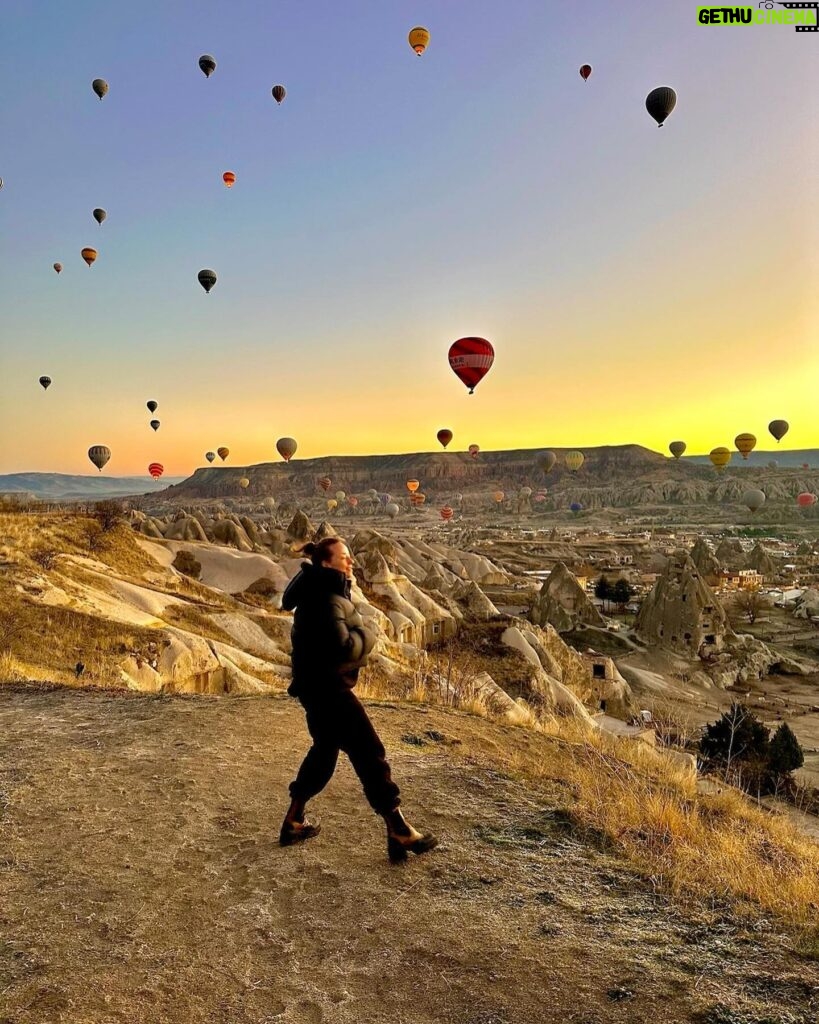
<point>681,612</point>
<point>562,603</point>
<point>704,559</point>
<point>762,561</point>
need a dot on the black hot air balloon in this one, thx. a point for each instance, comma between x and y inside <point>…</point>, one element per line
<point>99,454</point>
<point>45,382</point>
<point>585,72</point>
<point>660,102</point>
<point>100,87</point>
<point>207,278</point>
<point>207,64</point>
<point>99,215</point>
<point>155,424</point>
<point>279,92</point>
<point>152,405</point>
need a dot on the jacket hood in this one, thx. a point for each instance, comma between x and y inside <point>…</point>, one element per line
<point>311,581</point>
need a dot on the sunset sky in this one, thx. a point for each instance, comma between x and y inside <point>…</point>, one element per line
<point>639,285</point>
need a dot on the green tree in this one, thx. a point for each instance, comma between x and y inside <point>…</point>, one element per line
<point>621,593</point>
<point>603,590</point>
<point>785,754</point>
<point>738,744</point>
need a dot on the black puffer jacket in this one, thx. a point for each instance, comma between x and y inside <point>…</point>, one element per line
<point>330,641</point>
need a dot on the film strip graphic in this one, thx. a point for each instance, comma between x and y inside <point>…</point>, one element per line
<point>814,6</point>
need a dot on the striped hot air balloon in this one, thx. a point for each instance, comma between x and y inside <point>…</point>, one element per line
<point>745,444</point>
<point>99,454</point>
<point>229,178</point>
<point>156,469</point>
<point>471,360</point>
<point>446,513</point>
<point>720,457</point>
<point>223,453</point>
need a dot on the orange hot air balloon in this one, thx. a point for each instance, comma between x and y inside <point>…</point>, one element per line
<point>413,485</point>
<point>446,513</point>
<point>419,39</point>
<point>156,469</point>
<point>89,255</point>
<point>229,178</point>
<point>498,496</point>
<point>473,450</point>
<point>745,443</point>
<point>416,500</point>
<point>444,437</point>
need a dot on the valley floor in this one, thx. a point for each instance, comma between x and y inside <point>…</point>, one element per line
<point>141,881</point>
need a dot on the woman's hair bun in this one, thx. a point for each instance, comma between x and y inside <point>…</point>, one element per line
<point>309,549</point>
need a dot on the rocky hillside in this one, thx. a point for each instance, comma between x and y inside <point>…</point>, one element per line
<point>612,476</point>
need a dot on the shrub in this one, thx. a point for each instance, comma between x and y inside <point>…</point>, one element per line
<point>187,563</point>
<point>45,558</point>
<point>108,513</point>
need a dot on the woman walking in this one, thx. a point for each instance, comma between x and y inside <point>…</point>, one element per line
<point>330,645</point>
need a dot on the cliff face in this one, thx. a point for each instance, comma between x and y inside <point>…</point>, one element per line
<point>617,476</point>
<point>563,603</point>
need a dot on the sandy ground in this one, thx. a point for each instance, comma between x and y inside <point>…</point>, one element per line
<point>141,881</point>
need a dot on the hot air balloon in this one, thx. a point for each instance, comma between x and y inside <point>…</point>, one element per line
<point>324,483</point>
<point>89,255</point>
<point>331,504</point>
<point>99,215</point>
<point>385,499</point>
<point>99,455</point>
<point>210,456</point>
<point>373,493</point>
<point>352,501</point>
<point>446,513</point>
<point>207,64</point>
<point>223,453</point>
<point>412,486</point>
<point>720,457</point>
<point>58,267</point>
<point>526,492</point>
<point>779,428</point>
<point>474,450</point>
<point>753,499</point>
<point>155,424</point>
<point>392,510</point>
<point>152,405</point>
<point>45,383</point>
<point>156,469</point>
<point>417,499</point>
<point>498,496</point>
<point>279,92</point>
<point>419,39</point>
<point>244,483</point>
<point>585,71</point>
<point>546,461</point>
<point>576,507</point>
<point>806,499</point>
<point>574,460</point>
<point>660,102</point>
<point>269,502</point>
<point>745,443</point>
<point>100,87</point>
<point>341,495</point>
<point>471,359</point>
<point>805,465</point>
<point>207,278</point>
<point>677,448</point>
<point>286,447</point>
<point>540,496</point>
<point>1,182</point>
<point>444,436</point>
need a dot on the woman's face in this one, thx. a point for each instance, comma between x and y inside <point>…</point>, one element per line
<point>341,559</point>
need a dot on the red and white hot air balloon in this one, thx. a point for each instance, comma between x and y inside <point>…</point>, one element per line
<point>471,360</point>
<point>156,469</point>
<point>446,513</point>
<point>806,499</point>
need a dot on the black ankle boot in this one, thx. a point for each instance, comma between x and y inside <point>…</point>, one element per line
<point>295,827</point>
<point>402,838</point>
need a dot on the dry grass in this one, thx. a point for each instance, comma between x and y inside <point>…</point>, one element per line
<point>713,849</point>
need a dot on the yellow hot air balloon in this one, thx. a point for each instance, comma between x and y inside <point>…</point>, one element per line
<point>677,448</point>
<point>745,443</point>
<point>89,255</point>
<point>720,457</point>
<point>419,39</point>
<point>244,483</point>
<point>413,485</point>
<point>574,460</point>
<point>331,504</point>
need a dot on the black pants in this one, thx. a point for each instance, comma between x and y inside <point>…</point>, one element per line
<point>338,721</point>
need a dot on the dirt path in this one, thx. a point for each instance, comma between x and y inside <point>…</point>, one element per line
<point>141,882</point>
